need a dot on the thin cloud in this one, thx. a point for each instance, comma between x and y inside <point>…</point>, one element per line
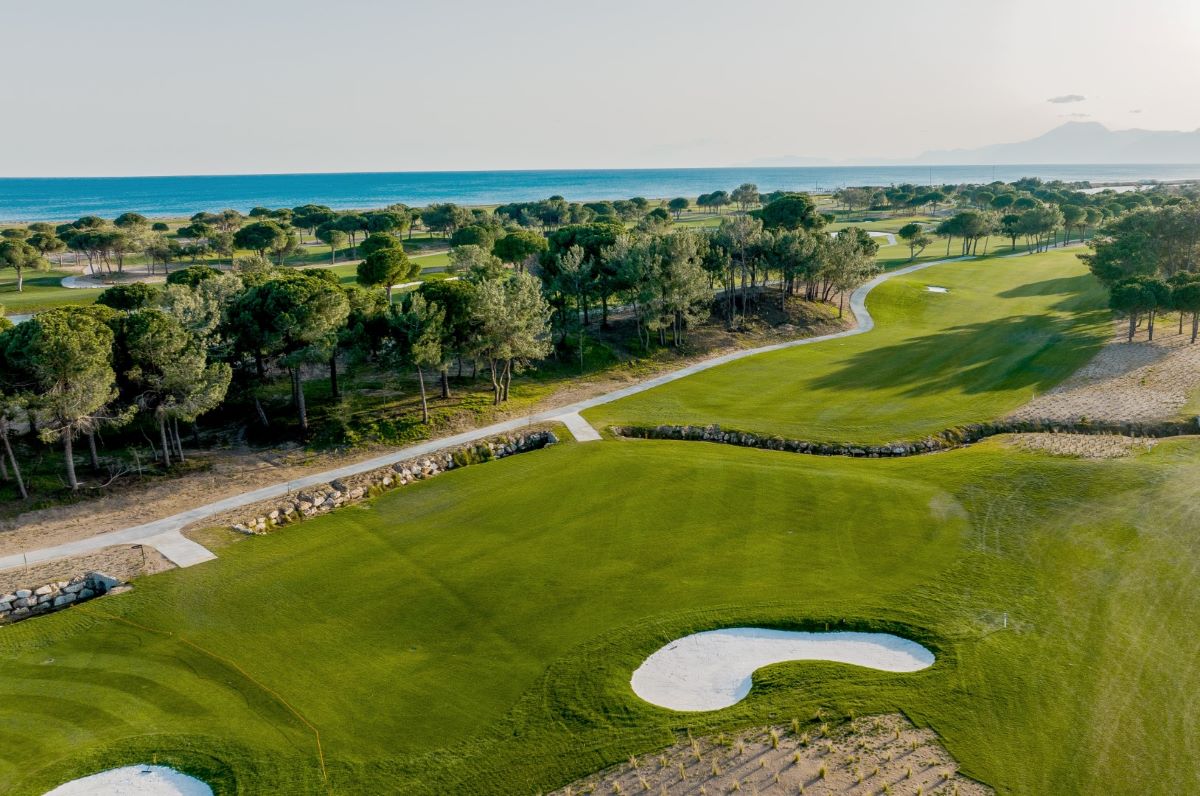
<point>1076,115</point>
<point>1066,98</point>
<point>1136,110</point>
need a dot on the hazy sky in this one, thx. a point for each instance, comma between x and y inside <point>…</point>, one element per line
<point>231,86</point>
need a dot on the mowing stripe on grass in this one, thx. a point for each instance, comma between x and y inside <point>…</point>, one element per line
<point>227,662</point>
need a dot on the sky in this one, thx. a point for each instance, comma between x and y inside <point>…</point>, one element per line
<point>137,87</point>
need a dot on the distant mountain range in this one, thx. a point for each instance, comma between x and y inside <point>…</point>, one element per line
<point>1080,142</point>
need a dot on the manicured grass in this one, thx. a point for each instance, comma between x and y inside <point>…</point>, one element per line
<point>476,633</point>
<point>43,289</point>
<point>1008,329</point>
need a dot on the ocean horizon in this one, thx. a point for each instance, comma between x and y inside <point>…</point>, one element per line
<point>27,199</point>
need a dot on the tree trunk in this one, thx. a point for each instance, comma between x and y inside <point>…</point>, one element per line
<point>1132,325</point>
<point>446,381</point>
<point>95,459</point>
<point>20,280</point>
<point>424,400</point>
<point>507,378</point>
<point>16,469</point>
<point>334,392</point>
<point>178,439</point>
<point>301,409</point>
<point>1150,326</point>
<point>166,446</point>
<point>495,383</point>
<point>69,456</point>
<point>262,415</point>
<point>1195,328</point>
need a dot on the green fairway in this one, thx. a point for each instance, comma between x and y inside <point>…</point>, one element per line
<point>43,289</point>
<point>348,272</point>
<point>407,630</point>
<point>1007,329</point>
<point>476,633</point>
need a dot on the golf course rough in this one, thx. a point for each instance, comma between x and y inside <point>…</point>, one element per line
<point>499,611</point>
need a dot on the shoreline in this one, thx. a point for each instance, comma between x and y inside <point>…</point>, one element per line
<point>54,199</point>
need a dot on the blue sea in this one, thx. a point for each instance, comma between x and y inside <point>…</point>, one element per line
<point>67,198</point>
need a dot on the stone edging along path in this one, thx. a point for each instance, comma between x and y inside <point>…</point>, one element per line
<point>934,443</point>
<point>164,534</point>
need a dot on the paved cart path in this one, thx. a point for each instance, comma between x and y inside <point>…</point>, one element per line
<point>164,534</point>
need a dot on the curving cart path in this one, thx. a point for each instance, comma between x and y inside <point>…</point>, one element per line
<point>164,534</point>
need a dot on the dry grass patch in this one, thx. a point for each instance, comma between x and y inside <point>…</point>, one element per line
<point>872,755</point>
<point>1083,446</point>
<point>1136,381</point>
<point>124,562</point>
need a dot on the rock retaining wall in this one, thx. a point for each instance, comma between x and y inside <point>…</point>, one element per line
<point>945,440</point>
<point>310,502</point>
<point>24,603</point>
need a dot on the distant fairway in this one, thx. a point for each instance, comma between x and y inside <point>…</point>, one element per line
<point>1006,330</point>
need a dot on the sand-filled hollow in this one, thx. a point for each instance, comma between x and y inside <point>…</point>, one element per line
<point>134,781</point>
<point>714,669</point>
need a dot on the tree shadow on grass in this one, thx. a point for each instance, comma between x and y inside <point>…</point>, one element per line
<point>1051,287</point>
<point>1009,353</point>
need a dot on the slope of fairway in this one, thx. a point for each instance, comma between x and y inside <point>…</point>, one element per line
<point>477,632</point>
<point>1006,330</point>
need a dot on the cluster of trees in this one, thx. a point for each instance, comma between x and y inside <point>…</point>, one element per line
<point>1149,259</point>
<point>106,245</point>
<point>161,357</point>
<point>669,277</point>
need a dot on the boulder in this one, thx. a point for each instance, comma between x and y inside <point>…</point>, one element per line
<point>73,588</point>
<point>101,583</point>
<point>64,599</point>
<point>86,594</point>
<point>24,602</point>
<point>41,591</point>
<point>5,606</point>
<point>339,486</point>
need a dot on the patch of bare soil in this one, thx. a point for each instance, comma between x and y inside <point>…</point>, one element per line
<point>1082,446</point>
<point>1126,381</point>
<point>124,562</point>
<point>868,756</point>
<point>229,472</point>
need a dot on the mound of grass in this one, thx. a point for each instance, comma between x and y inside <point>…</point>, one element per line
<point>1007,329</point>
<point>476,633</point>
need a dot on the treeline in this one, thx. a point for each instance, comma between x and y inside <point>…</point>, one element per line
<point>163,357</point>
<point>156,359</point>
<point>1149,259</point>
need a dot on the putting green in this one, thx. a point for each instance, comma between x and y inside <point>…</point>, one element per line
<point>1006,330</point>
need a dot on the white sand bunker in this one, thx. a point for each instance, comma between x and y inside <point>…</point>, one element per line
<point>713,669</point>
<point>134,781</point>
<point>936,289</point>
